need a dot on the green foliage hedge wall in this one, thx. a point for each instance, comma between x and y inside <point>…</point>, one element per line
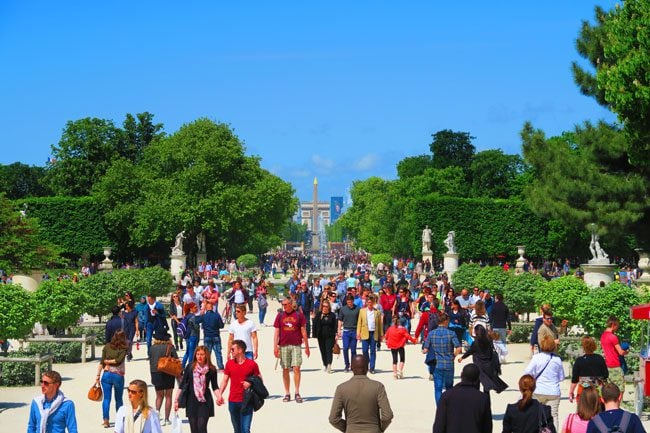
<point>75,224</point>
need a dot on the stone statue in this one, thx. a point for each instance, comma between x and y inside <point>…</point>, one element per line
<point>177,249</point>
<point>449,242</point>
<point>597,253</point>
<point>426,240</point>
<point>23,211</point>
<point>200,242</point>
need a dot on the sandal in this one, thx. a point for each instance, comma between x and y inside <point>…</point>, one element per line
<point>298,398</point>
<point>286,398</point>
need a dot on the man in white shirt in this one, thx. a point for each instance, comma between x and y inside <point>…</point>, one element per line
<point>243,329</point>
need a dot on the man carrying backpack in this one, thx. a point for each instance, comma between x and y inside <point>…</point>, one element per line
<point>614,419</point>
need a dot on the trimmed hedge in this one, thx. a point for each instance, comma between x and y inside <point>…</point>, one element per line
<point>248,260</point>
<point>75,224</point>
<point>17,373</point>
<point>63,352</point>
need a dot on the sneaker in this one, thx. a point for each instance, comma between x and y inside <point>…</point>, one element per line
<point>347,369</point>
<point>372,371</point>
<point>400,375</point>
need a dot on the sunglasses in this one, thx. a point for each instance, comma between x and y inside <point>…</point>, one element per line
<point>46,383</point>
<point>548,318</point>
<point>132,391</point>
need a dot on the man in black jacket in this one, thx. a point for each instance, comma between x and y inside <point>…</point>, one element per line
<point>464,408</point>
<point>500,318</point>
<point>114,324</point>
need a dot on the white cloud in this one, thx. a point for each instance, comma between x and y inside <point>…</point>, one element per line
<point>323,165</point>
<point>367,162</point>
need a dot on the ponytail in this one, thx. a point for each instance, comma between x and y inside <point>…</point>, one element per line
<point>527,387</point>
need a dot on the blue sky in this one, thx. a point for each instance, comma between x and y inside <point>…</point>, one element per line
<point>338,90</point>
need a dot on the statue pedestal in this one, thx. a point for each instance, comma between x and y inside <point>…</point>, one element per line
<point>597,272</point>
<point>450,263</point>
<point>178,266</point>
<point>106,265</point>
<point>427,255</point>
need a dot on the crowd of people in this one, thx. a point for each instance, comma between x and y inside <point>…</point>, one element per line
<point>363,312</point>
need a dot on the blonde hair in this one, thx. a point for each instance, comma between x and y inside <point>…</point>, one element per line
<point>143,405</point>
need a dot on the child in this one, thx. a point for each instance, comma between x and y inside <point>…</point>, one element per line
<point>396,337</point>
<point>499,346</point>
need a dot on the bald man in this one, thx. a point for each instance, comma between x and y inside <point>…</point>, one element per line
<point>363,400</point>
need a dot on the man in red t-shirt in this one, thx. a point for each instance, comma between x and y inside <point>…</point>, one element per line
<point>290,332</point>
<point>612,350</point>
<point>237,370</point>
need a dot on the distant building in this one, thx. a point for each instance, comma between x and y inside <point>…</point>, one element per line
<point>306,213</point>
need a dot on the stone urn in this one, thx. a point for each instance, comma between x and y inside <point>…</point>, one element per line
<point>644,265</point>
<point>521,250</point>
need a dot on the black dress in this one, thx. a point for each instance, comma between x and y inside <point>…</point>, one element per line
<point>194,407</point>
<point>489,370</point>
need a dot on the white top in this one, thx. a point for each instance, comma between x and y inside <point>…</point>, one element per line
<point>370,315</point>
<point>239,297</point>
<point>151,425</point>
<point>243,331</point>
<point>548,382</point>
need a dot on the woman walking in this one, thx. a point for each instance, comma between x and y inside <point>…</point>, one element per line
<point>526,415</point>
<point>588,407</point>
<point>196,378</point>
<point>486,359</point>
<point>162,382</point>
<point>111,370</point>
<point>396,337</point>
<point>546,368</point>
<point>176,313</point>
<point>138,416</point>
<point>193,329</point>
<point>262,301</point>
<point>325,326</point>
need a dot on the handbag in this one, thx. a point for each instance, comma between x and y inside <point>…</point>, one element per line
<point>336,349</point>
<point>95,392</point>
<point>170,365</point>
<point>543,421</point>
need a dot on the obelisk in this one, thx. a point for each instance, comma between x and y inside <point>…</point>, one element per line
<point>315,245</point>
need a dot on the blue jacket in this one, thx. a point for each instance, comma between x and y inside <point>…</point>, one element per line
<point>211,322</point>
<point>63,418</point>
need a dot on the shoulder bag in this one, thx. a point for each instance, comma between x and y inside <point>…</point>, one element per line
<point>95,392</point>
<point>543,421</point>
<point>170,365</point>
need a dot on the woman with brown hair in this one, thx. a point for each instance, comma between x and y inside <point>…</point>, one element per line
<point>588,370</point>
<point>162,382</point>
<point>138,417</point>
<point>325,326</point>
<point>546,367</point>
<point>588,407</point>
<point>192,338</point>
<point>196,377</point>
<point>525,415</point>
<point>112,378</point>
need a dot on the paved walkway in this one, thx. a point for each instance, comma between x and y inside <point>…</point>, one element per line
<point>411,398</point>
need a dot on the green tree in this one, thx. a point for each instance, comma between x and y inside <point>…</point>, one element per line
<point>564,294</point>
<point>198,180</point>
<point>19,180</point>
<point>618,298</point>
<point>452,148</point>
<point>293,231</point>
<point>22,248</point>
<point>413,166</point>
<point>59,304</point>
<point>583,177</point>
<point>465,275</point>
<point>590,46</point>
<point>85,151</point>
<point>17,315</point>
<point>494,174</point>
<point>492,278</point>
<point>520,292</point>
<point>139,132</point>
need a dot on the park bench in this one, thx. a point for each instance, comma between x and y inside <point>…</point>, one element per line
<point>37,360</point>
<point>84,340</point>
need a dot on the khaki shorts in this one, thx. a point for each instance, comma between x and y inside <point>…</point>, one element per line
<point>290,356</point>
<point>616,377</point>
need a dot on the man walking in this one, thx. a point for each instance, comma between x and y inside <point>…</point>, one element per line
<point>52,411</point>
<point>611,351</point>
<point>445,347</point>
<point>500,318</point>
<point>243,329</point>
<point>364,401</point>
<point>613,416</point>
<point>370,330</point>
<point>464,408</point>
<point>155,318</point>
<point>348,318</point>
<point>290,333</point>
<point>212,322</point>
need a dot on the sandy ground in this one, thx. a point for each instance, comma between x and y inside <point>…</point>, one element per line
<point>411,398</point>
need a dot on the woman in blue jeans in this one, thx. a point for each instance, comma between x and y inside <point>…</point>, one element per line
<point>189,311</point>
<point>111,369</point>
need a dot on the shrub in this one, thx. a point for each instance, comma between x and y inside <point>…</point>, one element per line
<point>520,291</point>
<point>384,258</point>
<point>521,333</point>
<point>492,278</point>
<point>17,373</point>
<point>17,316</point>
<point>78,331</point>
<point>247,260</point>
<point>464,276</point>
<point>63,352</point>
<point>59,303</point>
<point>615,299</point>
<point>563,294</point>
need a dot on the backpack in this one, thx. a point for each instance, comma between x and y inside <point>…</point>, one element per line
<point>183,328</point>
<point>622,428</point>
